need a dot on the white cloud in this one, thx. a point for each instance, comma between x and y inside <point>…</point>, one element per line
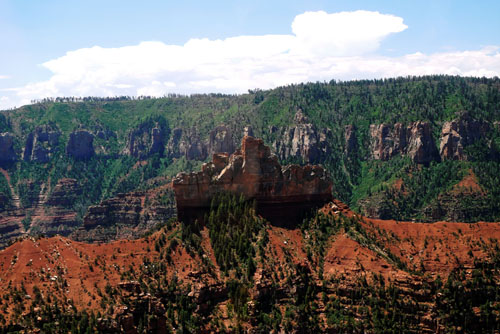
<point>322,47</point>
<point>344,33</point>
<point>4,77</point>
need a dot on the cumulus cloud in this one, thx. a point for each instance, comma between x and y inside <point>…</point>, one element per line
<point>321,47</point>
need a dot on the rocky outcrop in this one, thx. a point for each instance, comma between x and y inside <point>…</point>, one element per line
<point>387,141</point>
<point>41,144</point>
<point>146,140</point>
<point>126,216</point>
<point>420,143</point>
<point>458,134</point>
<point>187,144</point>
<point>414,140</point>
<point>80,145</point>
<point>7,152</point>
<point>282,194</point>
<point>220,140</point>
<point>302,140</point>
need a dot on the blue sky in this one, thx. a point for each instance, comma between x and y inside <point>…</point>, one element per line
<point>109,47</point>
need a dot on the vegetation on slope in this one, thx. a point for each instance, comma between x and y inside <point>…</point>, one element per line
<point>330,105</point>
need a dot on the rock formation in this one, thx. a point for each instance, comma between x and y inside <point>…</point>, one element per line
<point>282,194</point>
<point>188,143</point>
<point>303,140</point>
<point>80,145</point>
<point>458,134</point>
<point>41,143</point>
<point>414,141</point>
<point>220,140</point>
<point>420,144</point>
<point>7,153</point>
<point>146,140</point>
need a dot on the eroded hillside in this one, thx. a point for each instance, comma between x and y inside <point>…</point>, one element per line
<point>336,272</point>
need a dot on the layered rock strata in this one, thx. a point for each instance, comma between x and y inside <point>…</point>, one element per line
<point>282,194</point>
<point>126,216</point>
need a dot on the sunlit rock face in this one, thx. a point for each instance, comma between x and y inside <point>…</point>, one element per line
<point>457,134</point>
<point>414,141</point>
<point>282,194</point>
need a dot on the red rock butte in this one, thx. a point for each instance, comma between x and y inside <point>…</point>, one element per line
<point>283,194</point>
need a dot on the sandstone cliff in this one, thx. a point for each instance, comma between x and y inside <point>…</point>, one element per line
<point>414,140</point>
<point>281,193</point>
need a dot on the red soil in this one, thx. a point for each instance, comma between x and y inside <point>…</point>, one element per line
<point>469,184</point>
<point>76,271</point>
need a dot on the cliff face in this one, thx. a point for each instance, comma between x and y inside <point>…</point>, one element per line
<point>7,153</point>
<point>414,141</point>
<point>282,194</point>
<point>81,145</point>
<point>41,144</point>
<point>303,140</point>
<point>351,141</point>
<point>458,134</point>
<point>187,143</point>
<point>146,141</point>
